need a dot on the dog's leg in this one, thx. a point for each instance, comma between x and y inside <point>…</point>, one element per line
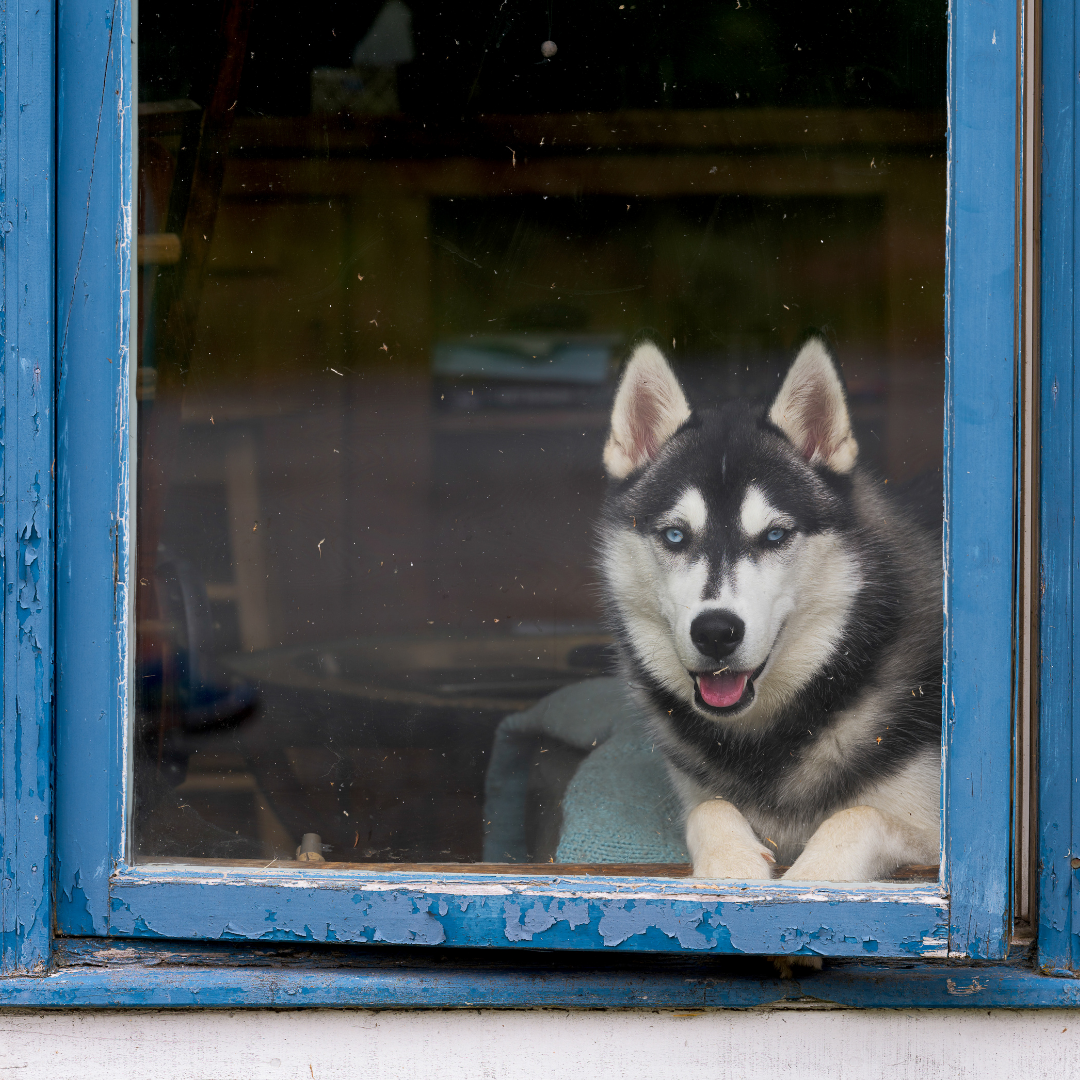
<point>723,845</point>
<point>857,844</point>
<point>786,965</point>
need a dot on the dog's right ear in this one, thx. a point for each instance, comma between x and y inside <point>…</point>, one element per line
<point>649,408</point>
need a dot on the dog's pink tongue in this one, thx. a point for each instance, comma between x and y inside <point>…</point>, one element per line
<point>723,690</point>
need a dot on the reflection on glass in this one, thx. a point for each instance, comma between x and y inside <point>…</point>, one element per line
<point>390,261</point>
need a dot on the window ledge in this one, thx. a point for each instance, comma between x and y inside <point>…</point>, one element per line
<point>131,974</point>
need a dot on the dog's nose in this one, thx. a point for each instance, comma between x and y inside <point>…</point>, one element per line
<point>717,633</point>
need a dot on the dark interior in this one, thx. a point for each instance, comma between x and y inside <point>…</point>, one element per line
<point>382,309</point>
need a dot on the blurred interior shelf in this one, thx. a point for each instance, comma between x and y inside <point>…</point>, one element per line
<point>645,153</point>
<point>555,134</point>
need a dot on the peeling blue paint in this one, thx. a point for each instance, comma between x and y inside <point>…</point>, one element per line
<point>979,473</point>
<point>94,897</point>
<point>625,919</point>
<point>537,918</point>
<point>618,914</point>
<point>26,438</point>
<point>141,974</point>
<point>402,919</point>
<point>1059,757</point>
<point>93,253</point>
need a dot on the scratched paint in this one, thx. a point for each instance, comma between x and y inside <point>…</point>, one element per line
<point>93,501</point>
<point>147,973</point>
<point>26,241</point>
<point>96,895</point>
<point>536,1045</point>
<point>1059,940</point>
<point>93,513</point>
<point>979,474</point>
<point>472,911</point>
<point>538,917</point>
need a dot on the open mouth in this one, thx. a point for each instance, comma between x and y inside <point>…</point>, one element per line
<point>725,691</point>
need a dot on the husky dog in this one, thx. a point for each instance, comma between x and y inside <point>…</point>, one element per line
<point>780,619</point>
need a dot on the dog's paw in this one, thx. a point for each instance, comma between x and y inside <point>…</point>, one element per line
<point>722,844</point>
<point>734,866</point>
<point>852,845</point>
<point>786,965</point>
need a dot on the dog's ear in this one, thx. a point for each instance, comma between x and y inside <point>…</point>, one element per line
<point>812,412</point>
<point>649,407</point>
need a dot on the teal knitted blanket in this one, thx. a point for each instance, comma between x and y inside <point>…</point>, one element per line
<point>619,806</point>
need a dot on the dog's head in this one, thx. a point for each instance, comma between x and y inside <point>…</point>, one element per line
<point>722,540</point>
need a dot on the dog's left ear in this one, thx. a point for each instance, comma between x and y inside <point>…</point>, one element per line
<point>650,406</point>
<point>812,412</point>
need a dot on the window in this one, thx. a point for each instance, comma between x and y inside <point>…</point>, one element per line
<point>105,887</point>
<point>385,280</point>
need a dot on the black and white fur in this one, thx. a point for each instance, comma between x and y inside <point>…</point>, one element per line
<point>745,547</point>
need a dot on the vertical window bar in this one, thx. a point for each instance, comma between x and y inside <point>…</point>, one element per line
<point>1025,749</point>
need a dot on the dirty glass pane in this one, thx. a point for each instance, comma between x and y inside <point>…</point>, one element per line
<point>391,260</point>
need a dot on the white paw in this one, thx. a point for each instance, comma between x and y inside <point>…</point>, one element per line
<point>723,845</point>
<point>852,845</point>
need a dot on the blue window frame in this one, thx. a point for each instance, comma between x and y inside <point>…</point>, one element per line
<point>67,543</point>
<point>1059,759</point>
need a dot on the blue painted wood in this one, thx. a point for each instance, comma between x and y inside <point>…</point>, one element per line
<point>979,417</point>
<point>26,363</point>
<point>480,910</point>
<point>97,894</point>
<point>112,975</point>
<point>1058,731</point>
<point>93,270</point>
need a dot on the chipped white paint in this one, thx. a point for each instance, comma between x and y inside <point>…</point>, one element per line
<point>326,1044</point>
<point>568,887</point>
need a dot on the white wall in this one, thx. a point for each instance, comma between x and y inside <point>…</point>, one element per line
<point>324,1045</point>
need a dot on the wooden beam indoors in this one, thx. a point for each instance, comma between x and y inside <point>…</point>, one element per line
<point>631,176</point>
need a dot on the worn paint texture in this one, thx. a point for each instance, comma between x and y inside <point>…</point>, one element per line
<point>979,496</point>
<point>566,913</point>
<point>94,102</point>
<point>1059,759</point>
<point>97,894</point>
<point>972,1044</point>
<point>148,973</point>
<point>26,434</point>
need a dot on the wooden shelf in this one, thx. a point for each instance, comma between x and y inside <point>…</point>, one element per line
<point>554,135</point>
<point>631,176</point>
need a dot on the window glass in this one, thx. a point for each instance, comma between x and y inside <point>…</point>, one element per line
<point>417,581</point>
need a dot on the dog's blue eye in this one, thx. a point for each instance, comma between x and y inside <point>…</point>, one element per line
<point>673,536</point>
<point>775,535</point>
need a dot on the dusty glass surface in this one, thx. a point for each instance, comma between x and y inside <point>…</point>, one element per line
<point>391,259</point>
